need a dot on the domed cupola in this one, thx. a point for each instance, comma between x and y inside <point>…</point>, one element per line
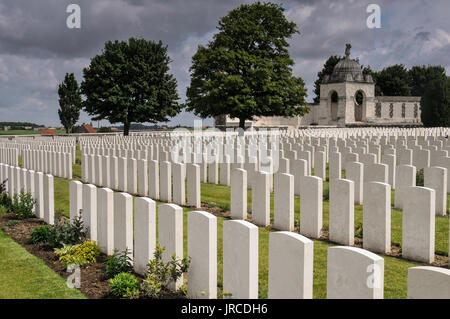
<point>347,70</point>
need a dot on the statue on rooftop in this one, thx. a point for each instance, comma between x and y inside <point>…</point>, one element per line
<point>348,46</point>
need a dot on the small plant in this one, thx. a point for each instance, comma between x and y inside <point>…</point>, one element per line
<point>6,201</point>
<point>3,210</point>
<point>183,290</point>
<point>159,273</point>
<point>23,204</point>
<point>66,250</point>
<point>88,251</point>
<point>40,235</point>
<point>211,204</point>
<point>359,230</point>
<point>226,295</point>
<point>124,285</point>
<point>118,263</point>
<point>420,178</point>
<point>151,286</point>
<point>67,256</point>
<point>65,232</point>
<point>3,186</point>
<point>79,254</point>
<point>326,194</point>
<point>12,223</point>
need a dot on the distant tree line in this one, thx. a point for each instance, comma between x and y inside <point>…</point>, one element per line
<point>20,125</point>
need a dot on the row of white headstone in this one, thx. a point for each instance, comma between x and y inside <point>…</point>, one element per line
<point>165,181</point>
<point>38,184</point>
<point>9,156</point>
<point>133,179</point>
<point>418,204</point>
<point>398,177</point>
<point>49,162</point>
<point>351,272</point>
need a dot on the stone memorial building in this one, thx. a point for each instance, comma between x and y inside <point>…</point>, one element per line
<point>347,98</point>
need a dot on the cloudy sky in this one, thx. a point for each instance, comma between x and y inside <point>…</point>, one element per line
<point>37,48</point>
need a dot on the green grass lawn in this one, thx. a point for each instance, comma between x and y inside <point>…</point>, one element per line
<point>24,276</point>
<point>18,132</point>
<point>25,132</point>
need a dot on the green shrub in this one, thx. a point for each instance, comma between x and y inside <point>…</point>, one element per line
<point>88,250</point>
<point>119,262</point>
<point>65,232</point>
<point>3,210</point>
<point>159,273</point>
<point>12,223</point>
<point>79,254</point>
<point>23,204</point>
<point>359,230</point>
<point>39,235</point>
<point>124,285</point>
<point>6,201</point>
<point>66,250</point>
<point>151,286</point>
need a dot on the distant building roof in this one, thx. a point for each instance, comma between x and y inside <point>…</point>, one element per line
<point>48,131</point>
<point>88,128</point>
<point>84,128</point>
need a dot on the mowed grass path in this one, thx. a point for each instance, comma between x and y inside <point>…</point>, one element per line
<point>24,276</point>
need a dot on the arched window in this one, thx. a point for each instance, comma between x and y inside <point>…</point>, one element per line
<point>334,105</point>
<point>359,97</point>
<point>403,110</point>
<point>416,110</point>
<point>359,101</point>
<point>334,97</point>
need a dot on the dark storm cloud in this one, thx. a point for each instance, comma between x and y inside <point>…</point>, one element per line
<point>424,36</point>
<point>37,49</point>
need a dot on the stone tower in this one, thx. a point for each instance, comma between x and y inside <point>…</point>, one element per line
<point>346,96</point>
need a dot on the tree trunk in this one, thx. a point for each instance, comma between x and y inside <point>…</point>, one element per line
<point>126,128</point>
<point>242,123</point>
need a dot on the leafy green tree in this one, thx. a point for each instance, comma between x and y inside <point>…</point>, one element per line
<point>129,82</point>
<point>435,103</point>
<point>246,70</point>
<point>70,102</point>
<point>422,75</point>
<point>367,70</point>
<point>393,81</point>
<point>327,69</point>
